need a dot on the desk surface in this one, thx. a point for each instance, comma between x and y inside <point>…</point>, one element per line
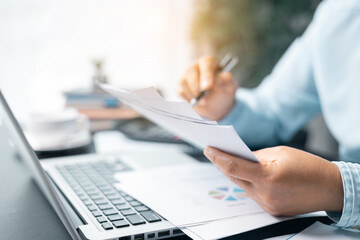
<point>24,211</point>
<point>26,214</point>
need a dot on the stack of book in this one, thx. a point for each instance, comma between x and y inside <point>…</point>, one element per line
<point>84,99</point>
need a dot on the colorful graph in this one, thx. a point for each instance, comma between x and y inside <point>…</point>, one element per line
<point>228,193</point>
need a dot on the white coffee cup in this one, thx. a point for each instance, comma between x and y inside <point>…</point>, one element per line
<point>58,130</point>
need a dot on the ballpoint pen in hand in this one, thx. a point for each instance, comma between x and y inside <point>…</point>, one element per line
<point>226,64</point>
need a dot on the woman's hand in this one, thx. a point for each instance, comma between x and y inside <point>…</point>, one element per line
<point>286,182</point>
<point>204,75</point>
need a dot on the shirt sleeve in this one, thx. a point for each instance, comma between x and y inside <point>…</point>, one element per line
<point>289,96</point>
<point>274,111</point>
<point>349,218</point>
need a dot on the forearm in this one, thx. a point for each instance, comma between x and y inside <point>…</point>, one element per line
<point>274,111</point>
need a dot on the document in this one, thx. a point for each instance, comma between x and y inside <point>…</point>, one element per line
<point>322,231</point>
<point>189,194</point>
<point>180,119</point>
<point>198,199</point>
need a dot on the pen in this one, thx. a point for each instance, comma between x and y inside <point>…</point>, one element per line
<point>226,64</point>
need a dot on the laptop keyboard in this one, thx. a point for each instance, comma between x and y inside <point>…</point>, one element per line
<point>93,183</point>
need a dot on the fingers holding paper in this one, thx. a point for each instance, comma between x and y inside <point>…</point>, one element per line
<point>286,182</point>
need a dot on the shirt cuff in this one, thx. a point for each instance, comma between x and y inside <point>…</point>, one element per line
<point>349,218</point>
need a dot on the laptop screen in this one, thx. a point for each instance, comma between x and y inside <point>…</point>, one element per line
<point>23,148</point>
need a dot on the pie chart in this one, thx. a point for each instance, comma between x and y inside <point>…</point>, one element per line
<point>228,193</point>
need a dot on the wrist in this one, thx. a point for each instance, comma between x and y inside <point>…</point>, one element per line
<point>333,191</point>
<point>226,110</point>
<point>232,115</point>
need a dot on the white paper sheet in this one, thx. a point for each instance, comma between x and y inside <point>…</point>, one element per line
<point>194,197</point>
<point>188,195</point>
<point>150,100</point>
<point>321,231</point>
<point>180,119</point>
<point>148,92</point>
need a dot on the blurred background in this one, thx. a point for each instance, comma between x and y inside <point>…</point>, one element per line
<point>48,47</point>
<point>257,31</point>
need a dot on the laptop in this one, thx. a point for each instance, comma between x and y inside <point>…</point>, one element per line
<point>81,189</point>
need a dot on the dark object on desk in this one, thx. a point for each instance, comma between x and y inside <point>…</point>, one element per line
<point>90,148</point>
<point>141,129</point>
<point>291,226</point>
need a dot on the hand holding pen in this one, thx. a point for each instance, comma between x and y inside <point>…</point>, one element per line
<point>209,86</point>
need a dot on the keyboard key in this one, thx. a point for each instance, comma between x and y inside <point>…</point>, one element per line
<point>164,233</point>
<point>87,202</point>
<point>106,187</point>
<point>104,206</point>
<point>122,193</point>
<point>141,208</point>
<point>86,184</point>
<point>121,223</point>
<point>100,201</point>
<point>107,226</point>
<point>92,190</point>
<point>151,235</point>
<point>96,213</point>
<point>101,184</point>
<point>128,198</point>
<point>123,206</point>
<point>78,191</point>
<point>128,212</point>
<point>150,216</point>
<point>92,207</point>
<point>135,203</point>
<point>115,217</point>
<point>135,219</point>
<point>83,197</point>
<point>117,201</point>
<point>109,191</point>
<point>106,174</point>
<point>113,196</point>
<point>110,211</point>
<point>95,196</point>
<point>101,219</point>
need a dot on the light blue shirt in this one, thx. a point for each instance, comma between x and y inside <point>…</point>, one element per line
<point>320,72</point>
